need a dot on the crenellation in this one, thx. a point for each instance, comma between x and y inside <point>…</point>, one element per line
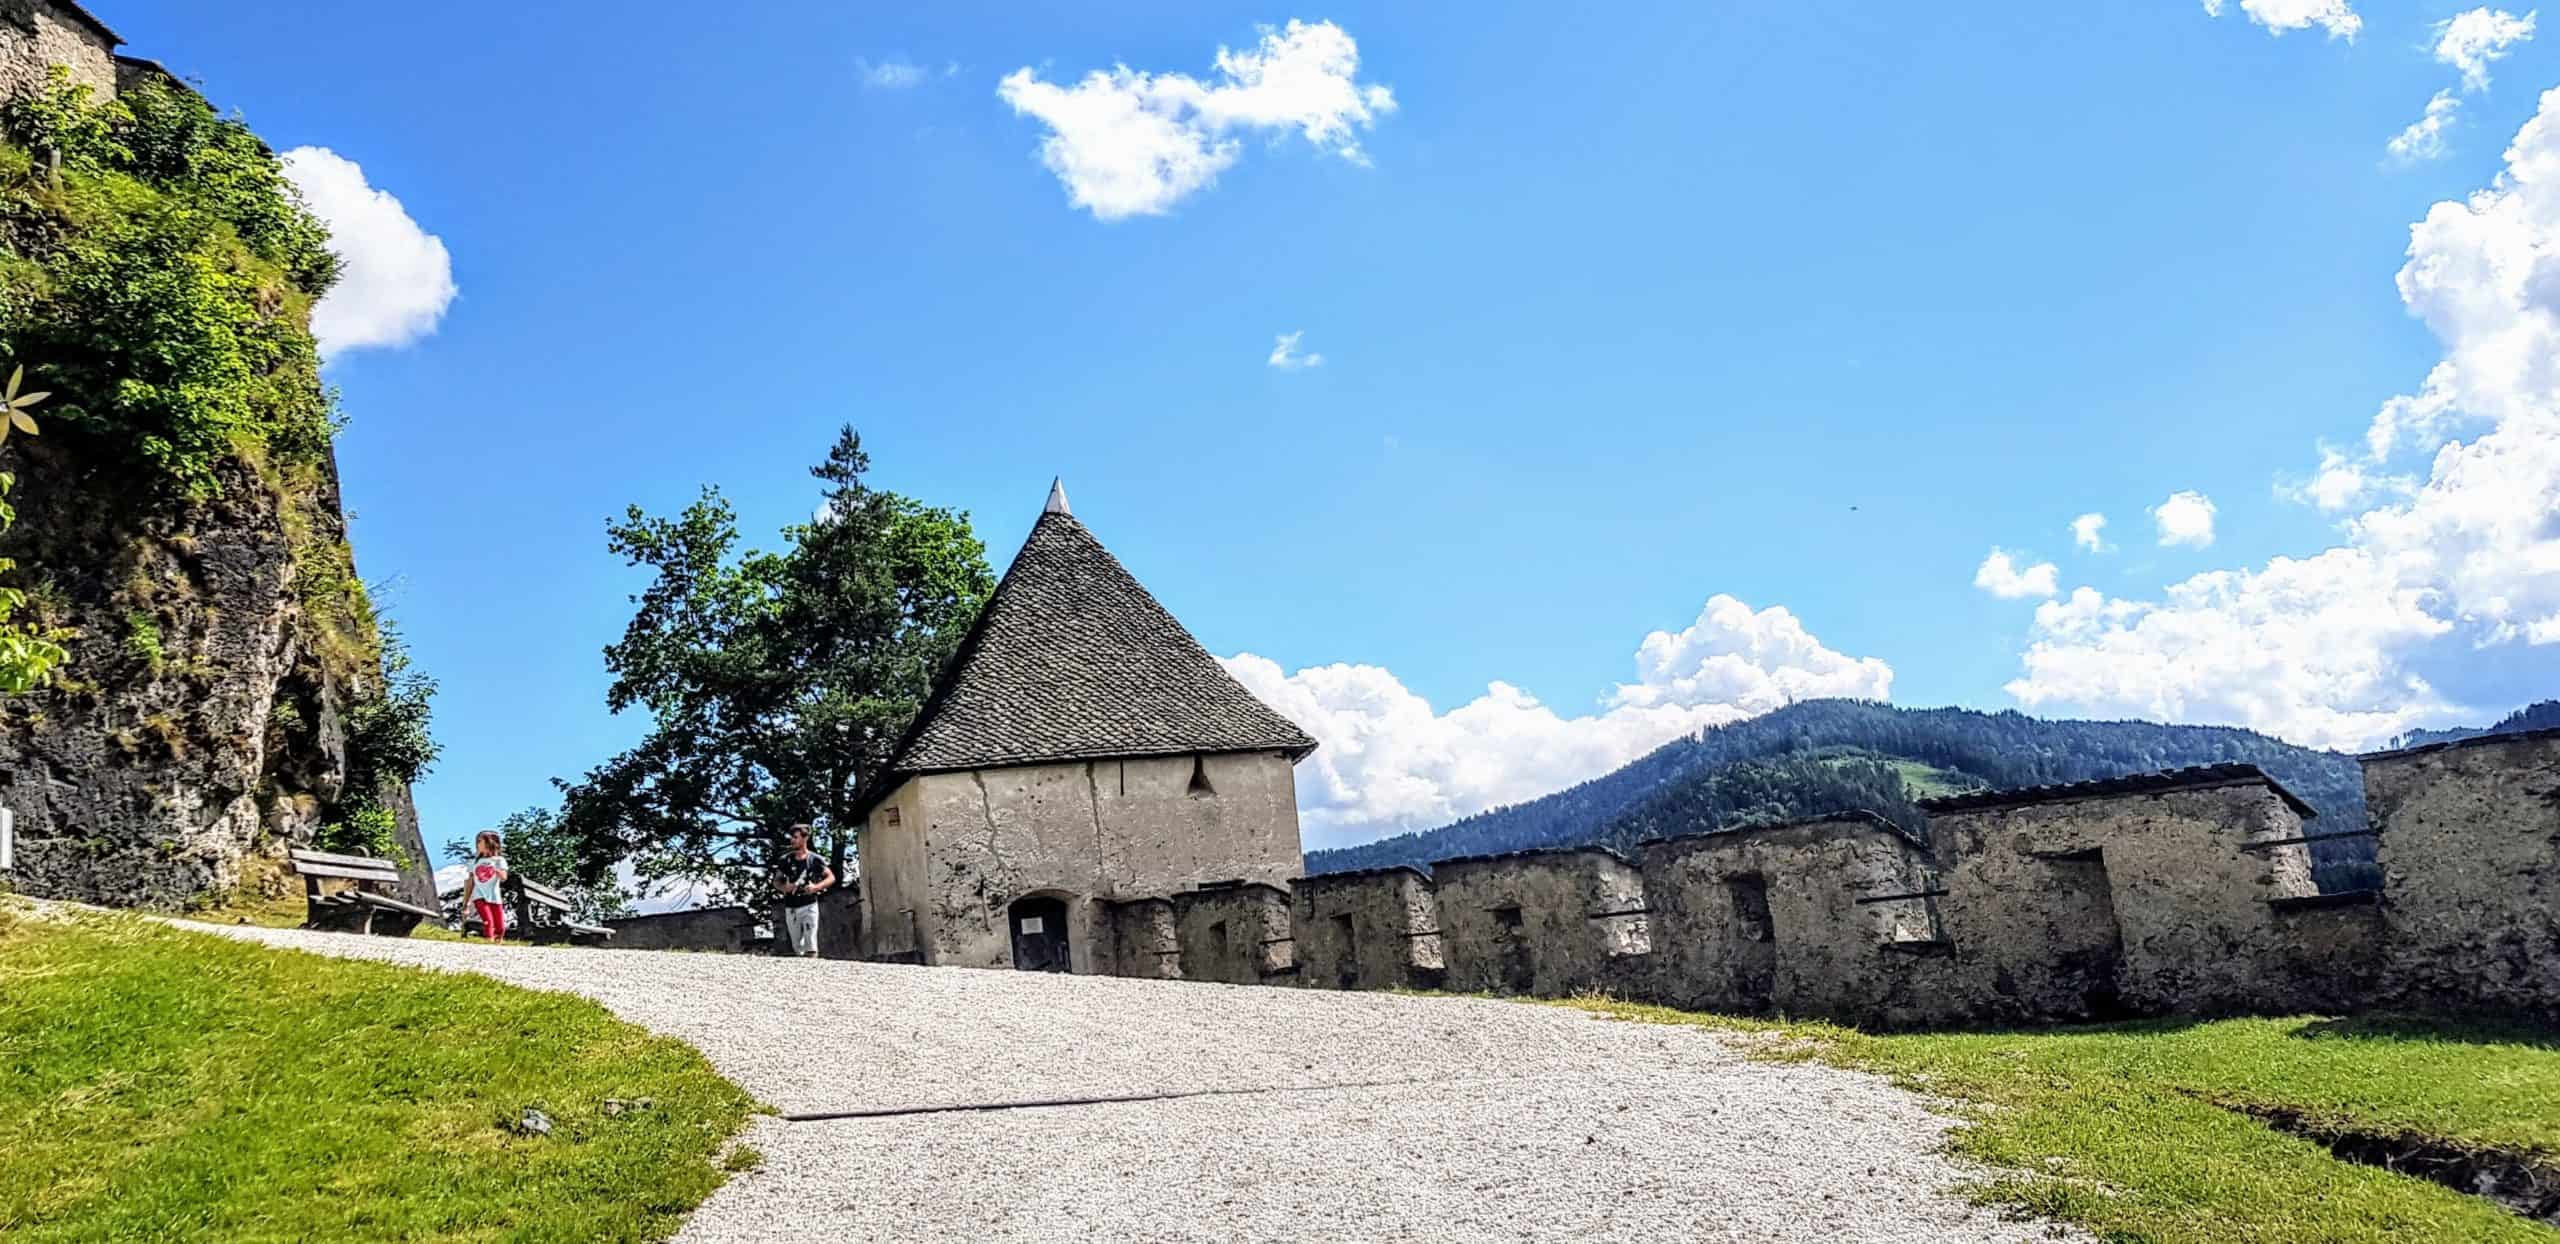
<point>1830,918</point>
<point>1543,923</point>
<point>1239,933</point>
<point>1375,929</point>
<point>2470,852</point>
<point>2148,899</point>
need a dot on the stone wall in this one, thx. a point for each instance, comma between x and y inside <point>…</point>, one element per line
<point>1801,918</point>
<point>729,929</point>
<point>1543,923</point>
<point>946,856</point>
<point>2177,894</point>
<point>1378,929</point>
<point>2470,853</point>
<point>1146,942</point>
<point>1239,934</point>
<point>38,34</point>
<point>2104,900</point>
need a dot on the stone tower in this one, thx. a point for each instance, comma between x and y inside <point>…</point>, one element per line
<point>1082,749</point>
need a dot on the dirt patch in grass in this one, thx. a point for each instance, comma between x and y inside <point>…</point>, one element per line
<point>2522,1182</point>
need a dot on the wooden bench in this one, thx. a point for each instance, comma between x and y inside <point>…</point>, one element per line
<point>367,906</point>
<point>538,913</point>
<point>548,918</point>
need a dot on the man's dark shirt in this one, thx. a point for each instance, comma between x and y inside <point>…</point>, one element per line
<point>802,870</point>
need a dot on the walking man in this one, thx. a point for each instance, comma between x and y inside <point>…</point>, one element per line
<point>803,876</point>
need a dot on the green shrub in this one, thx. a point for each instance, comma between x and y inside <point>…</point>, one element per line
<point>162,279</point>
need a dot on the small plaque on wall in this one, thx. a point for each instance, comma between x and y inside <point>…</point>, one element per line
<point>1031,925</point>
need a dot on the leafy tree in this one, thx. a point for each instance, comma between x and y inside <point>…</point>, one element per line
<point>776,683</point>
<point>541,846</point>
<point>389,745</point>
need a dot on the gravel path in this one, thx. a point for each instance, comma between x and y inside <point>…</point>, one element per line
<point>1312,1116</point>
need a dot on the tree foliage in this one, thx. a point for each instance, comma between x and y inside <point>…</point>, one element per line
<point>1791,787</point>
<point>540,845</point>
<point>775,683</point>
<point>390,744</point>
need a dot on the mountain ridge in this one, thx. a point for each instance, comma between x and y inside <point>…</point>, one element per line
<point>1740,774</point>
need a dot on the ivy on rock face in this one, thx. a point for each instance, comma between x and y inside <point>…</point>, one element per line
<point>163,270</point>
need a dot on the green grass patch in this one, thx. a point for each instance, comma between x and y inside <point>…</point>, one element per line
<point>289,911</point>
<point>157,1084</point>
<point>2134,1131</point>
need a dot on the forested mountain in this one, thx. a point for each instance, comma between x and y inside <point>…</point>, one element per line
<point>1830,755</point>
<point>2540,716</point>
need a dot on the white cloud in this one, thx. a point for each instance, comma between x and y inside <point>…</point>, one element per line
<point>2086,532</point>
<point>1285,356</point>
<point>1390,762</point>
<point>2423,139</point>
<point>2470,40</point>
<point>888,75</point>
<point>2340,483</point>
<point>2185,518</point>
<point>451,878</point>
<point>2452,577</point>
<point>2338,17</point>
<point>1999,575</point>
<point>395,279</point>
<point>1129,143</point>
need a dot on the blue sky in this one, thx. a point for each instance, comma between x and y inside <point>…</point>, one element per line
<point>1760,327</point>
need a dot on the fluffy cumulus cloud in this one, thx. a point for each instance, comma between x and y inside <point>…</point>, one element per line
<point>1130,143</point>
<point>2185,518</point>
<point>2000,575</point>
<point>2470,40</point>
<point>1286,356</point>
<point>394,278</point>
<point>2089,532</point>
<point>2338,17</point>
<point>2451,571</point>
<point>2424,139</point>
<point>1391,762</point>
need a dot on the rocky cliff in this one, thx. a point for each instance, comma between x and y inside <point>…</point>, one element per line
<point>201,721</point>
<point>179,526</point>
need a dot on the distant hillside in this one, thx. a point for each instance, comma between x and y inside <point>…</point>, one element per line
<point>1830,755</point>
<point>2540,716</point>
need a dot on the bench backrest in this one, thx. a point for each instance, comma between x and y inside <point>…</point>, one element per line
<point>536,892</point>
<point>348,867</point>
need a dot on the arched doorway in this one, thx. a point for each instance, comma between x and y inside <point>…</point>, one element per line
<point>1039,934</point>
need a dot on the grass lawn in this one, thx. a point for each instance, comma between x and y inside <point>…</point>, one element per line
<point>2127,1128</point>
<point>157,1084</point>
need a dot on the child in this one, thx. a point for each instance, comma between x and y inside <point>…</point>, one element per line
<point>488,877</point>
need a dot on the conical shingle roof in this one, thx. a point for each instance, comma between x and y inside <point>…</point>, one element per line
<point>1073,660</point>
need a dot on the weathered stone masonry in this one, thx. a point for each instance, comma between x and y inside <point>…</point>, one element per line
<point>2470,853</point>
<point>1375,929</point>
<point>1541,922</point>
<point>2185,893</point>
<point>1088,790</point>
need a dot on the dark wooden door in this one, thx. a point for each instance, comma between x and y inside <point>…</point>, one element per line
<point>1040,935</point>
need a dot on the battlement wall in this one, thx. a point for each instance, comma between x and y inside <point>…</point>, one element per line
<point>2187,893</point>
